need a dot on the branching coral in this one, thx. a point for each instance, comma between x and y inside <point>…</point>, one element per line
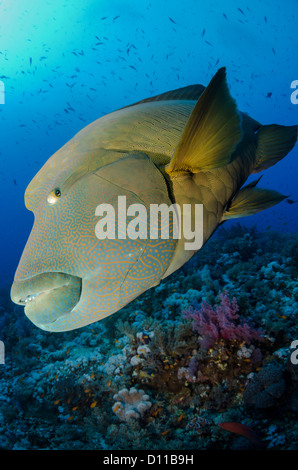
<point>221,322</point>
<point>171,339</point>
<point>131,404</point>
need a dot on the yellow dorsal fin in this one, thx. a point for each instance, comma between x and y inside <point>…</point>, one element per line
<point>188,93</point>
<point>211,133</point>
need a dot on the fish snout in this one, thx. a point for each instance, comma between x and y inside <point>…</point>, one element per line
<point>47,296</point>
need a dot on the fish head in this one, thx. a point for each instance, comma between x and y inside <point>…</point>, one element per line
<point>68,276</point>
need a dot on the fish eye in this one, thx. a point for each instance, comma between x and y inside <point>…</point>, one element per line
<point>53,196</point>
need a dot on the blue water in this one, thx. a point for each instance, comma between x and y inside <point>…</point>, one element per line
<point>66,63</point>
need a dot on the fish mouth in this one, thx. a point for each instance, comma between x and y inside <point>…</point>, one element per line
<point>47,296</point>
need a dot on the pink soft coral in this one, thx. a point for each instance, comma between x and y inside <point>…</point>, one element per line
<point>221,323</point>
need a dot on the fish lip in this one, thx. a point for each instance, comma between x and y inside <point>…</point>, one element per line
<point>31,297</point>
<point>25,296</point>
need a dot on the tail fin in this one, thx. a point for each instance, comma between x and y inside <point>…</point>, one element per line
<point>274,143</point>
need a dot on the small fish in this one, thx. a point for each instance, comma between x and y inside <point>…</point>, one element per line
<point>269,94</point>
<point>241,11</point>
<point>30,60</point>
<point>156,412</point>
<point>242,430</point>
<point>69,106</point>
<point>172,20</point>
<point>290,201</point>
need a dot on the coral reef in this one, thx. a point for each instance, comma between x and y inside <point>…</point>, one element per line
<point>151,377</point>
<point>221,322</point>
<point>131,404</point>
<point>265,387</point>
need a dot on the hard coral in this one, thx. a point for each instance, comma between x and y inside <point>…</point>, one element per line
<point>221,322</point>
<point>131,404</point>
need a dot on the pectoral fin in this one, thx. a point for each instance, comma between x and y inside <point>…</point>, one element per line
<point>250,200</point>
<point>212,131</point>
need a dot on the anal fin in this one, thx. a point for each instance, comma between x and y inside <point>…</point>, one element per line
<point>250,200</point>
